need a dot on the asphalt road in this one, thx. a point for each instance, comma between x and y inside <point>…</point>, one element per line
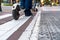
<point>49,25</point>
<point>22,23</point>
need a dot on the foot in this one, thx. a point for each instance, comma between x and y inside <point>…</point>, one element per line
<point>28,13</point>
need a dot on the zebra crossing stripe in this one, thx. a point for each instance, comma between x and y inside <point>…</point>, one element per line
<point>4,16</point>
<point>10,27</point>
<point>35,32</point>
<point>21,29</point>
<point>29,30</point>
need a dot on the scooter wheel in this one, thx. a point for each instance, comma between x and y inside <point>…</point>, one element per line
<point>15,14</point>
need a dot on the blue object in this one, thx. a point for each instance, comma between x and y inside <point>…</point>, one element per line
<point>27,4</point>
<point>22,3</point>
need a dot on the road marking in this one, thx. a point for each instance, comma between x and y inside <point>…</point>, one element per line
<point>11,26</point>
<point>28,32</point>
<point>35,33</point>
<point>4,16</point>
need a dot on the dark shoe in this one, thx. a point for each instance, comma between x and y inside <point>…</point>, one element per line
<point>28,13</point>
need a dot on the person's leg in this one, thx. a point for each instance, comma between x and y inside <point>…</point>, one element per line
<point>22,4</point>
<point>28,6</point>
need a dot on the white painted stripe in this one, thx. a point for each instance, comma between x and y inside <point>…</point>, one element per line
<point>27,33</point>
<point>10,27</point>
<point>35,33</point>
<point>4,16</point>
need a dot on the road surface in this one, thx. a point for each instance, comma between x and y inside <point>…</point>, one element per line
<point>49,24</point>
<point>11,29</point>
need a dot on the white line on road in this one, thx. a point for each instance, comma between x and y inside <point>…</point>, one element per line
<point>28,32</point>
<point>10,27</point>
<point>35,33</point>
<point>4,16</point>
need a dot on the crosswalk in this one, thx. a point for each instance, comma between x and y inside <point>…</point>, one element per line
<point>11,26</point>
<point>8,28</point>
<point>28,34</point>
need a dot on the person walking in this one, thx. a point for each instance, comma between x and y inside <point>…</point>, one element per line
<point>27,5</point>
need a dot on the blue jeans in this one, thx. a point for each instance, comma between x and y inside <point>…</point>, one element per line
<point>27,4</point>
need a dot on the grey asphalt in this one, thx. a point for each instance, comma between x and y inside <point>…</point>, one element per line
<point>49,25</point>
